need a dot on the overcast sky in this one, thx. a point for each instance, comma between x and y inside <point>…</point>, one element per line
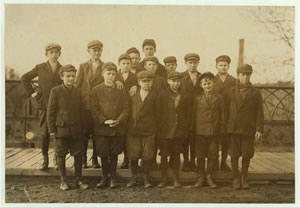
<point>208,30</point>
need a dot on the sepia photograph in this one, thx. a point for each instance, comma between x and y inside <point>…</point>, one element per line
<point>173,104</point>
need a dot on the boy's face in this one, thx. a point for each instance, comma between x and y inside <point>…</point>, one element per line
<point>222,67</point>
<point>135,59</point>
<point>125,65</point>
<point>174,84</point>
<point>244,78</point>
<point>149,50</point>
<point>146,83</point>
<point>192,65</point>
<point>207,85</point>
<point>53,54</point>
<point>170,67</point>
<point>109,77</point>
<point>151,66</point>
<point>69,78</point>
<point>95,53</point>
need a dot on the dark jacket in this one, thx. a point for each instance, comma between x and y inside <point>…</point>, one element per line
<point>143,119</point>
<point>86,81</point>
<point>159,84</point>
<point>109,103</point>
<point>130,81</point>
<point>46,80</point>
<point>187,86</point>
<point>208,116</point>
<point>161,71</point>
<point>174,122</point>
<point>245,116</point>
<point>64,112</point>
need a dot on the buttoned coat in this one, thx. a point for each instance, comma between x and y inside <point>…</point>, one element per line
<point>109,103</point>
<point>208,116</point>
<point>246,116</point>
<point>64,112</point>
<point>174,122</point>
<point>144,116</point>
<point>86,80</point>
<point>129,82</point>
<point>46,81</point>
<point>187,86</point>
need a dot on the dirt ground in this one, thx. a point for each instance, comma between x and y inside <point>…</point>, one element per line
<point>26,189</point>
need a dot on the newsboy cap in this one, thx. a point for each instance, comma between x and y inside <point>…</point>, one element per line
<point>124,56</point>
<point>223,58</point>
<point>244,68</point>
<point>109,66</point>
<point>95,44</point>
<point>170,59</point>
<point>151,58</point>
<point>174,75</point>
<point>145,74</point>
<point>191,56</point>
<point>149,42</point>
<point>207,75</point>
<point>133,50</point>
<point>66,68</point>
<point>50,46</point>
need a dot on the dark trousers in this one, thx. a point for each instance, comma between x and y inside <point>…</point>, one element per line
<point>109,165</point>
<point>61,162</point>
<point>43,131</point>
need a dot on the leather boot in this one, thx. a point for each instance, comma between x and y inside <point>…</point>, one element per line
<point>134,170</point>
<point>176,183</point>
<point>80,184</point>
<point>63,183</point>
<point>244,178</point>
<point>45,162</point>
<point>236,182</point>
<point>147,183</point>
<point>200,182</point>
<point>113,181</point>
<point>132,182</point>
<point>210,182</point>
<point>103,183</point>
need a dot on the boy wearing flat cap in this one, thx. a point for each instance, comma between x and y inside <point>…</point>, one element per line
<point>190,86</point>
<point>109,108</point>
<point>223,83</point>
<point>170,64</point>
<point>142,127</point>
<point>48,77</point>
<point>208,124</point>
<point>64,118</point>
<point>149,49</point>
<point>135,58</point>
<point>129,81</point>
<point>174,123</point>
<point>245,123</point>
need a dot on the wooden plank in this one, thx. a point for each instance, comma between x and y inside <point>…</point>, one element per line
<point>32,160</point>
<point>24,160</point>
<point>279,166</point>
<point>13,152</point>
<point>13,159</point>
<point>39,160</point>
<point>8,149</point>
<point>267,168</point>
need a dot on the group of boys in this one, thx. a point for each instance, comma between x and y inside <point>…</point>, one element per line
<point>142,107</point>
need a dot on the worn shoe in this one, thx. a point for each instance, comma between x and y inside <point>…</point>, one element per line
<point>200,182</point>
<point>113,182</point>
<point>176,183</point>
<point>132,182</point>
<point>244,183</point>
<point>147,183</point>
<point>81,185</point>
<point>103,183</point>
<point>236,182</point>
<point>210,182</point>
<point>162,184</point>
<point>45,163</point>
<point>64,186</point>
<point>224,166</point>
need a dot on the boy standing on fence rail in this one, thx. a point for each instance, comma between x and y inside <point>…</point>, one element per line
<point>245,124</point>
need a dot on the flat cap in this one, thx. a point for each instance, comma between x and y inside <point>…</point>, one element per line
<point>149,42</point>
<point>223,58</point>
<point>244,68</point>
<point>124,56</point>
<point>151,58</point>
<point>67,68</point>
<point>191,56</point>
<point>170,59</point>
<point>145,74</point>
<point>133,50</point>
<point>174,75</point>
<point>50,46</point>
<point>95,44</point>
<point>207,75</point>
<point>109,66</point>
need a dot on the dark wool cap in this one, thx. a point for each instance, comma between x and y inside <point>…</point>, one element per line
<point>124,56</point>
<point>207,75</point>
<point>170,59</point>
<point>149,42</point>
<point>223,58</point>
<point>174,75</point>
<point>191,56</point>
<point>51,46</point>
<point>66,68</point>
<point>145,74</point>
<point>95,44</point>
<point>133,50</point>
<point>151,58</point>
<point>109,66</point>
<point>244,68</point>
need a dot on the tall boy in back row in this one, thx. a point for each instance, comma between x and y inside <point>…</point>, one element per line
<point>223,83</point>
<point>245,124</point>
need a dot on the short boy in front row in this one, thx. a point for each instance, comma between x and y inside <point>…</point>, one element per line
<point>109,108</point>
<point>208,111</point>
<point>245,124</point>
<point>174,125</point>
<point>64,117</point>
